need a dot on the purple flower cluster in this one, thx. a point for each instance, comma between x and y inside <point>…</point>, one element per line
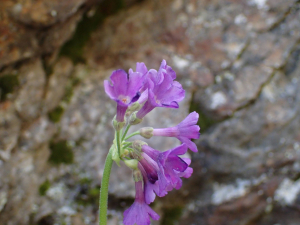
<point>136,95</point>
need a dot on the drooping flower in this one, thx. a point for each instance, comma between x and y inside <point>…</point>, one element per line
<point>124,89</point>
<point>139,212</point>
<point>167,168</point>
<point>154,175</point>
<point>150,189</point>
<point>163,91</point>
<point>170,163</point>
<point>184,131</point>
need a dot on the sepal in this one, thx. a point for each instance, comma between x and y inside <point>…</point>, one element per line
<point>117,125</point>
<point>146,132</point>
<point>134,120</point>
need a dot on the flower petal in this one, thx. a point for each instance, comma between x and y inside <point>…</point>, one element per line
<point>191,145</point>
<point>120,82</point>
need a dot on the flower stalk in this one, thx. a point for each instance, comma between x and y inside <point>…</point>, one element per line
<point>104,189</point>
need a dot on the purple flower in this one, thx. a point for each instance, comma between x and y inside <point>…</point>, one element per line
<point>171,168</point>
<point>184,131</point>
<point>139,212</point>
<point>150,189</point>
<point>154,178</point>
<point>125,90</point>
<point>163,91</point>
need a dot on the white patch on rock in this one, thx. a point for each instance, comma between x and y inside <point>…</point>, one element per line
<point>57,192</point>
<point>261,4</point>
<point>180,63</point>
<point>218,99</point>
<point>66,210</point>
<point>226,192</point>
<point>287,192</point>
<point>3,200</point>
<point>240,19</point>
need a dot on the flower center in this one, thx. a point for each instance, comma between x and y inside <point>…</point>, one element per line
<point>124,99</point>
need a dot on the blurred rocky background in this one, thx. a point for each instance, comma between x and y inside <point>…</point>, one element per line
<point>239,61</point>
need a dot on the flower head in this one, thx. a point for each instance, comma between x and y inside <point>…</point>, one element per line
<point>155,172</point>
<point>124,89</point>
<point>139,212</point>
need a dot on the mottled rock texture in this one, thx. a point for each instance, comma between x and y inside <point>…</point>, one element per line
<point>239,62</point>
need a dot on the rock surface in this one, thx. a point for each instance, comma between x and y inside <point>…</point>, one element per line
<point>239,64</point>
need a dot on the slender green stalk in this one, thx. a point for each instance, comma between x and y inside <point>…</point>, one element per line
<point>125,132</point>
<point>131,135</point>
<point>118,142</point>
<point>104,189</point>
<point>127,145</point>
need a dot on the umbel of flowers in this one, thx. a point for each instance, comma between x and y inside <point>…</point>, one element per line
<point>155,172</point>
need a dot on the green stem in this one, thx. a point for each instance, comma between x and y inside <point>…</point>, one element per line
<point>127,145</point>
<point>126,130</point>
<point>118,142</point>
<point>131,135</point>
<point>104,189</point>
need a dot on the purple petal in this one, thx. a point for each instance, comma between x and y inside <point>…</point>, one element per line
<point>191,145</point>
<point>171,105</point>
<point>188,172</point>
<point>135,83</point>
<point>150,167</point>
<point>171,72</point>
<point>176,163</point>
<point>191,132</point>
<point>167,69</point>
<point>153,153</point>
<point>162,88</point>
<point>179,150</point>
<point>173,94</point>
<point>148,106</point>
<point>139,213</point>
<point>173,177</point>
<point>120,82</point>
<point>141,67</point>
<point>109,90</point>
<point>153,214</point>
<point>143,97</point>
<point>190,120</point>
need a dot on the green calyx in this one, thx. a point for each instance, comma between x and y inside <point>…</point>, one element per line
<point>134,120</point>
<point>118,125</point>
<point>137,145</point>
<point>146,132</point>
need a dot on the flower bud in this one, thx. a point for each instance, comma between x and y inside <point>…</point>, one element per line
<point>134,120</point>
<point>131,163</point>
<point>146,132</point>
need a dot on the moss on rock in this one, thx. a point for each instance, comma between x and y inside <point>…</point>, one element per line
<point>44,187</point>
<point>61,152</point>
<point>7,85</point>
<point>171,215</point>
<point>55,114</point>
